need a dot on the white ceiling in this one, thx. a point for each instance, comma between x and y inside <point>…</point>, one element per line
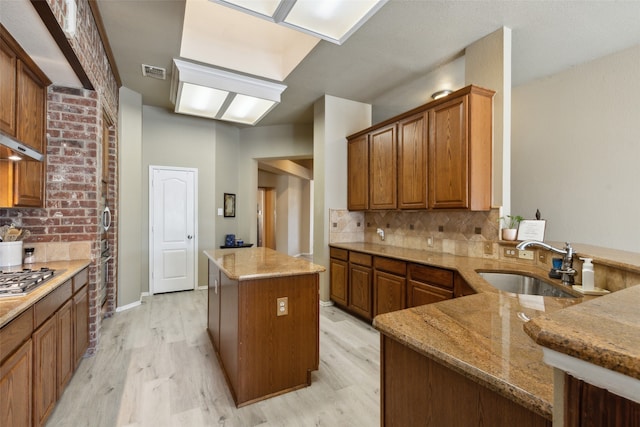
<point>386,60</point>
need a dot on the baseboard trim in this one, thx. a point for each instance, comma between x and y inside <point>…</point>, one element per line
<point>128,306</point>
<point>326,303</point>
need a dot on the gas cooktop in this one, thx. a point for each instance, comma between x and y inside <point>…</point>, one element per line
<point>17,283</point>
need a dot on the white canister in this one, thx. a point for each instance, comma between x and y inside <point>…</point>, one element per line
<point>10,254</point>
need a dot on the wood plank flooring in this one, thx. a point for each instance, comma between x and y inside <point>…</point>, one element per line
<point>156,367</point>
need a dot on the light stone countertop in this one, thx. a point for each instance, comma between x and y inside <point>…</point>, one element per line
<point>11,307</point>
<point>257,263</point>
<point>604,331</point>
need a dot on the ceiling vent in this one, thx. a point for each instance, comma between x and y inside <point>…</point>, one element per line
<point>155,72</point>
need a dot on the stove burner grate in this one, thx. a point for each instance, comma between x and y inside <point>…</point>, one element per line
<point>18,283</point>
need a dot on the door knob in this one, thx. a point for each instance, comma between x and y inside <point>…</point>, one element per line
<point>189,237</point>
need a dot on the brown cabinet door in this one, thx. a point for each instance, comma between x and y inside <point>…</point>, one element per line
<point>421,293</point>
<point>412,162</point>
<point>383,168</point>
<point>358,173</point>
<point>389,292</point>
<point>7,89</point>
<point>28,184</point>
<point>339,284</point>
<point>15,388</point>
<point>65,348</point>
<point>30,108</point>
<point>81,324</point>
<point>213,312</point>
<point>448,155</point>
<point>360,280</point>
<point>45,340</point>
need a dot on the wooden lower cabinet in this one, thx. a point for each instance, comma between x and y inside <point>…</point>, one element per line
<point>45,381</point>
<point>360,283</point>
<point>80,324</point>
<point>65,356</point>
<point>586,405</point>
<point>427,285</point>
<point>418,391</point>
<point>339,270</point>
<point>389,285</point>
<point>421,294</point>
<point>15,388</point>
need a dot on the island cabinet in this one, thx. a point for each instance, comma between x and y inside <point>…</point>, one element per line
<point>389,284</point>
<point>588,405</point>
<point>268,322</point>
<point>436,156</point>
<point>213,303</point>
<point>419,391</point>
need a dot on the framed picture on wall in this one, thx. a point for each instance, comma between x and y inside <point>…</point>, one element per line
<point>229,205</point>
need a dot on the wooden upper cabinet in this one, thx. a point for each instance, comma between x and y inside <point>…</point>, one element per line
<point>358,173</point>
<point>460,143</point>
<point>383,168</point>
<point>8,61</point>
<point>412,162</point>
<point>30,108</point>
<point>448,156</point>
<point>28,184</point>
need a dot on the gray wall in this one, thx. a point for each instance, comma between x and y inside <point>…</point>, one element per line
<point>576,152</point>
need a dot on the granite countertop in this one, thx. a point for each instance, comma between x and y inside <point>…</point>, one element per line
<point>257,263</point>
<point>11,307</point>
<point>468,267</point>
<point>480,336</point>
<point>604,331</point>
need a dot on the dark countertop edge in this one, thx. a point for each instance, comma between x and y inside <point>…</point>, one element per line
<point>36,295</point>
<point>502,387</point>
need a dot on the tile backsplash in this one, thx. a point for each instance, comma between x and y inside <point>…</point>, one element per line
<point>454,232</point>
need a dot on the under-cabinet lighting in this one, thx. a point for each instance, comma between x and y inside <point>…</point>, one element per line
<point>218,94</point>
<point>331,20</point>
<point>15,158</point>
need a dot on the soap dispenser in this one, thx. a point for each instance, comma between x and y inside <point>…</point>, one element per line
<point>587,274</point>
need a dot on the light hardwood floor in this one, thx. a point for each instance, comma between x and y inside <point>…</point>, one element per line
<point>155,366</point>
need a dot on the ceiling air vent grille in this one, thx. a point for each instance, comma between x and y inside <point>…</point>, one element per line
<point>155,72</point>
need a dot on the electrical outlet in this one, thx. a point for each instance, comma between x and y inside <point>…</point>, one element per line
<point>525,255</point>
<point>542,257</point>
<point>430,241</point>
<point>488,248</point>
<point>510,253</point>
<point>283,306</point>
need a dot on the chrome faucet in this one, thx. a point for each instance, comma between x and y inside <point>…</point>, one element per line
<point>567,269</point>
<point>380,232</point>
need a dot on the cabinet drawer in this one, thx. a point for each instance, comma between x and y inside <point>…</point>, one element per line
<point>360,258</point>
<point>342,254</point>
<point>80,279</point>
<point>390,265</point>
<point>432,275</point>
<point>52,302</point>
<point>15,333</point>
<point>420,294</point>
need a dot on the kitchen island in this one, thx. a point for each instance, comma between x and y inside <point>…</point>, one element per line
<point>263,320</point>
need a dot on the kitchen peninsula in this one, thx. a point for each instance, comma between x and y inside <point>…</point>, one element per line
<point>263,320</point>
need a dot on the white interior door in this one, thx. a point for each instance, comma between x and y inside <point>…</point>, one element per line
<point>173,226</point>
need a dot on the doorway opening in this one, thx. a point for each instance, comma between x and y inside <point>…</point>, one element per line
<point>267,217</point>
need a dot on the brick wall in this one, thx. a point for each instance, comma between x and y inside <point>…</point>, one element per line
<point>68,227</point>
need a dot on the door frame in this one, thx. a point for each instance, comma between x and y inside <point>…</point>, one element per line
<point>153,168</point>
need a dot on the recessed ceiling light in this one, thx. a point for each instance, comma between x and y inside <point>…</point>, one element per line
<point>331,20</point>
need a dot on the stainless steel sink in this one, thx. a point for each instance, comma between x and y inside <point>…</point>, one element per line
<point>523,284</point>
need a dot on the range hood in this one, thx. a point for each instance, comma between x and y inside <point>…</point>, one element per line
<point>9,146</point>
